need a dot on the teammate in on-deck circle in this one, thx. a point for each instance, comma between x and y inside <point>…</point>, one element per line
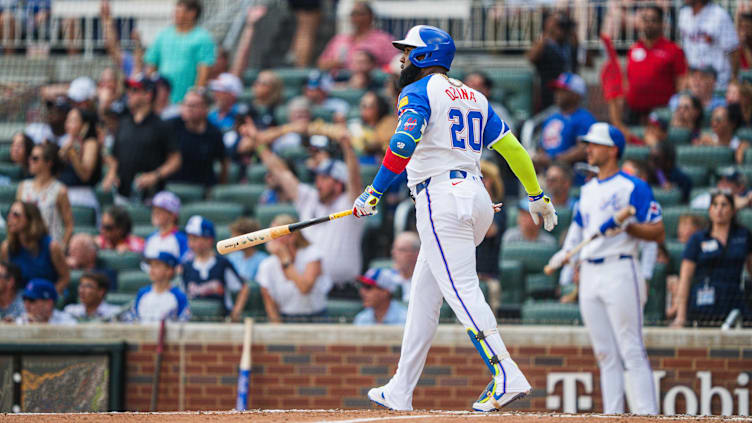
<point>443,127</point>
<point>612,291</point>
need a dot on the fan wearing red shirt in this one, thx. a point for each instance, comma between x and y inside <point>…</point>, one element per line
<point>654,66</point>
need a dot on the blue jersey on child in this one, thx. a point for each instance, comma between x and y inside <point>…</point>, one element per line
<point>560,131</point>
<point>150,306</point>
<point>214,279</point>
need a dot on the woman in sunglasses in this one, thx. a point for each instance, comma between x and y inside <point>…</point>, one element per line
<point>711,270</point>
<point>47,193</point>
<point>116,232</point>
<point>29,247</point>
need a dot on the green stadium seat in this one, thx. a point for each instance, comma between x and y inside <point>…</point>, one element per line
<point>746,170</point>
<point>565,218</point>
<point>265,213</point>
<point>667,198</point>
<point>343,311</point>
<point>381,263</point>
<point>206,310</point>
<point>446,314</point>
<point>222,231</point>
<point>744,133</point>
<point>655,308</point>
<point>638,131</point>
<point>744,218</point>
<point>512,279</point>
<point>84,216</point>
<point>8,193</point>
<point>514,88</point>
<point>130,281</point>
<point>70,295</point>
<point>304,174</point>
<point>188,193</point>
<point>249,76</point>
<point>663,112</point>
<point>748,156</point>
<point>711,157</point>
<point>11,170</point>
<point>254,306</point>
<point>540,286</point>
<point>256,173</point>
<point>698,174</point>
<point>105,198</point>
<point>671,217</point>
<point>220,213</point>
<point>633,152</point>
<point>143,230</point>
<point>675,251</point>
<point>86,229</point>
<point>119,298</point>
<point>550,312</point>
<point>140,214</point>
<point>233,172</point>
<point>245,194</point>
<point>319,112</point>
<point>294,154</point>
<point>679,136</point>
<point>120,261</point>
<point>351,96</point>
<point>532,255</point>
<point>3,233</point>
<point>512,215</point>
<point>293,77</point>
<point>5,153</point>
<point>574,192</point>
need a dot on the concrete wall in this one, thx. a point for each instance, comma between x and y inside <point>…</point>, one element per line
<point>332,366</point>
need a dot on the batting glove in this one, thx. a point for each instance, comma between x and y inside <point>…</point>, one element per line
<point>365,205</point>
<point>540,206</point>
<point>613,226</point>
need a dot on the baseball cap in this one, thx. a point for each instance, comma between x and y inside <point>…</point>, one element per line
<point>318,79</point>
<point>166,258</point>
<point>227,83</point>
<point>729,172</point>
<point>168,201</point>
<point>40,289</point>
<point>140,81</point>
<point>380,278</point>
<point>81,89</point>
<point>604,134</point>
<point>199,226</point>
<point>570,81</point>
<point>658,120</point>
<point>336,169</point>
<point>320,142</point>
<point>709,69</point>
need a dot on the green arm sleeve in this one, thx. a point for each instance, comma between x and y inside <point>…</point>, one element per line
<point>519,161</point>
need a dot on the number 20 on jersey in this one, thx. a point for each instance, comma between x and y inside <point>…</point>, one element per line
<point>466,128</point>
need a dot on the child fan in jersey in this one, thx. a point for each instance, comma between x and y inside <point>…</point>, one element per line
<point>168,237</point>
<point>160,300</point>
<point>209,275</point>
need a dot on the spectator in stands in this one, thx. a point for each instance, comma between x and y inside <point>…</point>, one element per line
<point>688,115</point>
<point>226,90</point>
<point>209,275</point>
<point>82,255</point>
<point>708,38</point>
<point>361,72</point>
<point>243,48</point>
<point>307,17</point>
<point>656,130</point>
<point>267,96</point>
<point>376,290</point>
<point>161,105</point>
<point>161,300</point>
<point>372,132</point>
<point>339,52</point>
<point>480,81</point>
<point>91,306</point>
<point>317,91</point>
<point>20,152</point>
<point>18,18</point>
<point>654,68</point>
<point>724,122</point>
<point>199,141</point>
<point>109,92</point>
<point>687,226</point>
<point>11,285</point>
<point>247,261</point>
<point>714,259</point>
<point>283,137</point>
<point>526,230</point>
<point>128,62</point>
<point>82,93</point>
<point>336,185</point>
<point>165,211</point>
<point>560,130</point>
<point>144,145</point>
<point>48,193</point>
<point>729,180</point>
<point>81,158</point>
<point>744,100</point>
<point>488,252</point>
<point>116,232</point>
<point>39,303</point>
<point>663,171</point>
<point>744,31</point>
<point>53,128</point>
<point>554,53</point>
<point>404,257</point>
<point>293,281</point>
<point>29,246</point>
<point>558,181</point>
<point>701,84</point>
<point>183,52</point>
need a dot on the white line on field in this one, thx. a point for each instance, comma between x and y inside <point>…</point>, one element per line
<point>376,419</point>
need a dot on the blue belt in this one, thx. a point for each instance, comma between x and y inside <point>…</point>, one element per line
<point>601,260</point>
<point>453,174</point>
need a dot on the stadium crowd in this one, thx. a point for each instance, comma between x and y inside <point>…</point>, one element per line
<point>121,192</point>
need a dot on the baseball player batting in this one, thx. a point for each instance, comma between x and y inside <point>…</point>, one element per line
<point>612,292</point>
<point>443,127</point>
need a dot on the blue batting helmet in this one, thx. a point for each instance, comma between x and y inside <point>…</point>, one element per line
<point>434,44</point>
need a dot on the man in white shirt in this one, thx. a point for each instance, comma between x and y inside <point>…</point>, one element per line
<point>709,38</point>
<point>91,306</point>
<point>39,302</point>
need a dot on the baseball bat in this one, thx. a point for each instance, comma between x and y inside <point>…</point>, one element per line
<point>244,373</point>
<point>157,367</point>
<point>620,216</point>
<point>240,242</point>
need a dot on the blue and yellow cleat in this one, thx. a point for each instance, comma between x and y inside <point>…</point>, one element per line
<point>490,400</point>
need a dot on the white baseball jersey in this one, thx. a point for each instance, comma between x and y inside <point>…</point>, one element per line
<point>707,39</point>
<point>456,117</point>
<point>600,200</point>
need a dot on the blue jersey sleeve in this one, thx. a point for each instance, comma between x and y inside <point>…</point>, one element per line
<point>495,127</point>
<point>415,97</point>
<point>647,209</point>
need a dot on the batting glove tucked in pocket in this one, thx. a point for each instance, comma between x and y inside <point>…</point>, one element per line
<point>540,206</point>
<point>365,205</point>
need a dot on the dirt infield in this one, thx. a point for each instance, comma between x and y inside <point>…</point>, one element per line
<point>352,416</point>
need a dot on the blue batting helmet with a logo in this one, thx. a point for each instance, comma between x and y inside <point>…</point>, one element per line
<point>434,45</point>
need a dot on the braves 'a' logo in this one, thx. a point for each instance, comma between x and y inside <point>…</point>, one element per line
<point>410,124</point>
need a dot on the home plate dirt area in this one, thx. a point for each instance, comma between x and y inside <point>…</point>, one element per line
<point>351,416</point>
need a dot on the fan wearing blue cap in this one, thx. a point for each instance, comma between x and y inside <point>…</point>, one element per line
<point>161,300</point>
<point>612,290</point>
<point>209,275</point>
<point>376,289</point>
<point>39,298</point>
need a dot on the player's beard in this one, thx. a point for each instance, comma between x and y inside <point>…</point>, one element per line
<point>408,75</point>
